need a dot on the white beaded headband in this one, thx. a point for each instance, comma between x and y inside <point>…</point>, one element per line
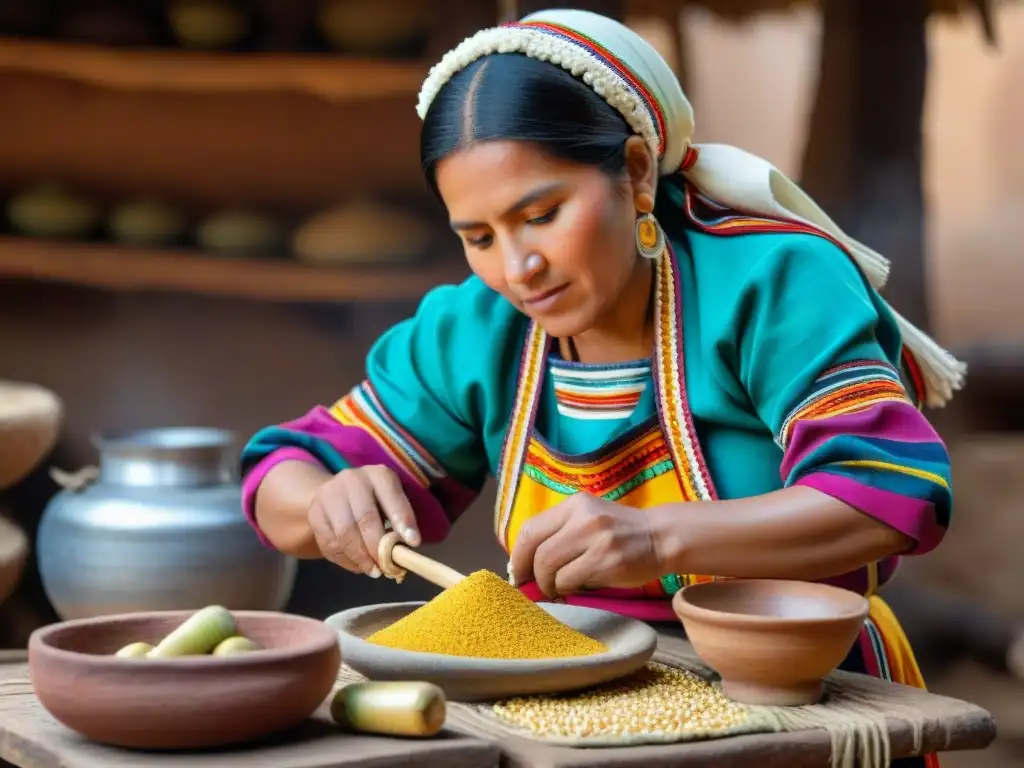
<point>583,58</point>
<point>734,178</point>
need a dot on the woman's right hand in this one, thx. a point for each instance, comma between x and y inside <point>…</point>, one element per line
<point>347,517</point>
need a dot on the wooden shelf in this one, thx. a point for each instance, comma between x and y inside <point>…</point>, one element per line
<point>333,78</point>
<point>123,268</point>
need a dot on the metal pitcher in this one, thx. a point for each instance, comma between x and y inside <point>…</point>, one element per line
<point>158,526</point>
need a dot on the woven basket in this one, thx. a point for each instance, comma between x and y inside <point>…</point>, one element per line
<point>30,419</point>
<point>13,555</point>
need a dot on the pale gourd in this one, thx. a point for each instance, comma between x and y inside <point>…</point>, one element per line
<point>199,634</point>
<point>135,651</point>
<point>207,24</point>
<point>359,232</point>
<point>147,223</point>
<point>240,232</point>
<point>208,632</point>
<point>381,29</point>
<point>235,645</point>
<point>52,210</point>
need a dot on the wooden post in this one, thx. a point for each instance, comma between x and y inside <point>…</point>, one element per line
<point>863,160</point>
<point>610,8</point>
<point>508,10</point>
<point>665,13</point>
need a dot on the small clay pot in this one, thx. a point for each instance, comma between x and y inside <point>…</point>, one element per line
<point>361,232</point>
<point>13,556</point>
<point>147,223</point>
<point>208,24</point>
<point>240,232</point>
<point>30,422</point>
<point>190,702</point>
<point>378,28</point>
<point>51,209</point>
<point>772,642</point>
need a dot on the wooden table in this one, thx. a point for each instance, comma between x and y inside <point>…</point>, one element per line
<point>30,738</point>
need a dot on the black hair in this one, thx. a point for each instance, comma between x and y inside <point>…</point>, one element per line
<point>510,96</point>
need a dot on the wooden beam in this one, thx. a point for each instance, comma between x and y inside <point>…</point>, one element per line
<point>863,159</point>
<point>334,78</point>
<point>121,268</point>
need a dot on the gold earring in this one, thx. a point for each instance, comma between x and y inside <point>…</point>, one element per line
<point>650,238</point>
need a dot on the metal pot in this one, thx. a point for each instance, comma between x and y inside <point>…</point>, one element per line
<point>161,527</point>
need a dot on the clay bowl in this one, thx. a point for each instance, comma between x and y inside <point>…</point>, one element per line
<point>630,645</point>
<point>189,702</point>
<point>772,642</point>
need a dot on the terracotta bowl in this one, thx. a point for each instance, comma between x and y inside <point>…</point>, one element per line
<point>772,642</point>
<point>184,703</point>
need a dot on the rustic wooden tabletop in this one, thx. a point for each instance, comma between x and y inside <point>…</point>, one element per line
<point>30,738</point>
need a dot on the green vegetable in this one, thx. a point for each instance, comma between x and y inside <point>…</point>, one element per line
<point>199,634</point>
<point>135,651</point>
<point>147,222</point>
<point>208,24</point>
<point>52,210</point>
<point>240,232</point>
<point>235,645</point>
<point>391,708</point>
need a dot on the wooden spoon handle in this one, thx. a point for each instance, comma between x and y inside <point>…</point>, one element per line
<point>424,567</point>
<point>394,556</point>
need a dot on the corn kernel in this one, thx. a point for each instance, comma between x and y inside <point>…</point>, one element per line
<point>658,700</point>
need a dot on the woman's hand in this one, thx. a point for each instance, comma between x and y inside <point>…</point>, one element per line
<point>347,517</point>
<point>586,542</point>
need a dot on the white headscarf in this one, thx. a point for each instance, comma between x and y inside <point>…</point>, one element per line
<point>632,77</point>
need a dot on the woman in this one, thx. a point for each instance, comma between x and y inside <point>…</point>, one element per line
<point>666,388</point>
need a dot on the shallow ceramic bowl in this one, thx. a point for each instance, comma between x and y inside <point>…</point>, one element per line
<point>630,645</point>
<point>188,702</point>
<point>772,642</point>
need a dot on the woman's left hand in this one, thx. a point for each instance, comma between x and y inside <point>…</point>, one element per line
<point>586,542</point>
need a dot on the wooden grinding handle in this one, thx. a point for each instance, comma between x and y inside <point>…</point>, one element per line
<point>396,558</point>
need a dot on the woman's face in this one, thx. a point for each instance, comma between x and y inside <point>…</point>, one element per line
<point>554,238</point>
